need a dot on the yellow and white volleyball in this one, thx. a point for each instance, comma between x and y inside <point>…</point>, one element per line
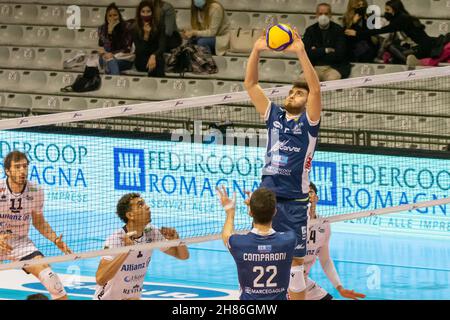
<point>279,36</point>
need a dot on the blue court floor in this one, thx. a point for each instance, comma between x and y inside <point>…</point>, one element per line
<point>387,267</point>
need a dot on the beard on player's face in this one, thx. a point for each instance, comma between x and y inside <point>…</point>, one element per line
<point>18,178</point>
<point>295,107</point>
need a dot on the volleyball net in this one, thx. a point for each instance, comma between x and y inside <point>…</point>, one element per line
<point>382,150</point>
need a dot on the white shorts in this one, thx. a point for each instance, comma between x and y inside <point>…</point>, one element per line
<point>22,249</point>
<point>316,292</point>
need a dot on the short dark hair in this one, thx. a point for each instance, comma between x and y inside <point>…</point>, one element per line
<point>324,4</point>
<point>313,186</point>
<point>37,296</point>
<point>124,205</point>
<point>263,204</point>
<point>300,85</point>
<point>14,156</point>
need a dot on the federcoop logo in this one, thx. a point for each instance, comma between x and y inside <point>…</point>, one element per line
<point>324,176</point>
<point>129,169</point>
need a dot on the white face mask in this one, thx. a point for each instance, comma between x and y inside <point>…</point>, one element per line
<point>199,3</point>
<point>324,21</point>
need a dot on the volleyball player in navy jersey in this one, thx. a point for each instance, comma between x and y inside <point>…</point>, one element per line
<point>293,130</point>
<point>263,256</point>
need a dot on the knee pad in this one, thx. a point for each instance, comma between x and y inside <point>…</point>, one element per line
<point>297,282</point>
<point>52,283</point>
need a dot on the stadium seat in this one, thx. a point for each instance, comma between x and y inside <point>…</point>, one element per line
<point>85,38</point>
<point>19,101</point>
<point>183,18</point>
<point>231,68</point>
<point>239,20</point>
<point>435,28</point>
<point>168,89</point>
<point>198,88</point>
<point>439,9</point>
<point>435,126</point>
<point>242,5</point>
<point>22,14</point>
<point>277,70</point>
<point>51,15</point>
<point>185,4</point>
<point>398,123</point>
<point>49,58</point>
<point>242,40</point>
<point>366,69</point>
<point>130,87</point>
<point>4,57</point>
<point>10,34</point>
<point>221,87</point>
<point>9,80</point>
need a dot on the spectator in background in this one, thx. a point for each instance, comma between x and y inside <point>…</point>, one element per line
<point>210,26</point>
<point>115,42</point>
<point>149,39</point>
<point>401,21</point>
<point>362,49</point>
<point>167,14</point>
<point>326,46</point>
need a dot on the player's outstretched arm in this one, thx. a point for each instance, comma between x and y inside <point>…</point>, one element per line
<point>180,252</point>
<point>259,99</point>
<point>108,267</point>
<point>229,206</point>
<point>330,270</point>
<point>46,230</point>
<point>314,106</point>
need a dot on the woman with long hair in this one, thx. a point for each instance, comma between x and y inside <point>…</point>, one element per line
<point>167,14</point>
<point>149,39</point>
<point>115,42</point>
<point>401,21</point>
<point>210,26</point>
<point>362,49</point>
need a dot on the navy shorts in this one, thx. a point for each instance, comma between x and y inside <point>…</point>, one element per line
<point>292,215</point>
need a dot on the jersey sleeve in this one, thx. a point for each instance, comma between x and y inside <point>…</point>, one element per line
<point>231,241</point>
<point>311,126</point>
<point>272,113</point>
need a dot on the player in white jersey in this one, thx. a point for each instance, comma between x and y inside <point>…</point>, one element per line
<point>318,247</point>
<point>22,202</point>
<point>122,277</point>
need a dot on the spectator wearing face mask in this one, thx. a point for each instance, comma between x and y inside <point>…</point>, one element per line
<point>115,42</point>
<point>325,44</point>
<point>401,21</point>
<point>362,49</point>
<point>149,40</point>
<point>210,26</point>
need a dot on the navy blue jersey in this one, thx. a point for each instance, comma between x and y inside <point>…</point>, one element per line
<point>290,150</point>
<point>263,263</point>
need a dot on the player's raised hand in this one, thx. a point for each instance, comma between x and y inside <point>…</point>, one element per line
<point>62,245</point>
<point>247,201</point>
<point>261,43</point>
<point>351,294</point>
<point>169,233</point>
<point>5,248</point>
<point>297,45</point>
<point>225,201</point>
